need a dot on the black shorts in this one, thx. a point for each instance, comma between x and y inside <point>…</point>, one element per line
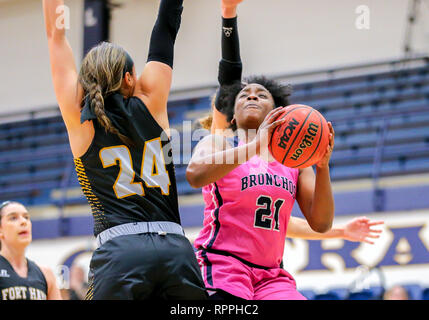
<point>145,266</point>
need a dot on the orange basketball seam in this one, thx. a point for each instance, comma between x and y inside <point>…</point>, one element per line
<point>300,129</point>
<point>320,140</point>
<point>284,115</point>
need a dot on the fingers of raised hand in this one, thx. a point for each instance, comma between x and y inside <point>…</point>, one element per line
<point>374,223</point>
<point>274,114</point>
<point>276,123</point>
<point>331,135</point>
<point>375,230</point>
<point>331,128</point>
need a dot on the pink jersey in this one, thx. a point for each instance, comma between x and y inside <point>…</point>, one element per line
<point>247,212</point>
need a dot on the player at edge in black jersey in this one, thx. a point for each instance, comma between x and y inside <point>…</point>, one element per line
<point>117,126</point>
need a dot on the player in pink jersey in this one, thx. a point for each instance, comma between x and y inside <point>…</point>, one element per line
<point>230,69</point>
<point>248,203</point>
<point>248,206</point>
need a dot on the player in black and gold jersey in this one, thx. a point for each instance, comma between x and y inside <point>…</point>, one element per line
<point>117,126</point>
<point>21,278</point>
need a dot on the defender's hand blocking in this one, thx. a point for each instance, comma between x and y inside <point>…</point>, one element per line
<point>359,229</point>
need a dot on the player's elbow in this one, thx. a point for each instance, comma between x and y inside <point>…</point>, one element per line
<point>55,34</point>
<point>320,218</point>
<point>193,177</point>
<point>321,225</point>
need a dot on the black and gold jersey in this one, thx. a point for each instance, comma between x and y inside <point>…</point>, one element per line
<point>126,183</point>
<point>14,287</point>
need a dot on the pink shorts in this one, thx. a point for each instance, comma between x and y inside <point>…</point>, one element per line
<point>233,276</point>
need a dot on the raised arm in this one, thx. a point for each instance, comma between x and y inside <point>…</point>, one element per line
<point>63,68</point>
<point>357,229</point>
<point>154,84</point>
<point>230,66</point>
<point>68,91</point>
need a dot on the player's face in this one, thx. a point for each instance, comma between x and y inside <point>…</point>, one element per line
<point>15,227</point>
<point>252,104</point>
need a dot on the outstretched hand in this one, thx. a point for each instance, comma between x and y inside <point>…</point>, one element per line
<point>359,229</point>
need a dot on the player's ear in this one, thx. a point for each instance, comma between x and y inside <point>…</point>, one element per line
<point>129,79</point>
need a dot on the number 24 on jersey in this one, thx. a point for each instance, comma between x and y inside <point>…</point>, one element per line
<point>153,170</point>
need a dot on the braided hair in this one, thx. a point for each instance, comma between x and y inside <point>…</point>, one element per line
<point>101,73</point>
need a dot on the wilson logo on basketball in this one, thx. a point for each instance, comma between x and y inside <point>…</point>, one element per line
<point>301,140</point>
<point>307,141</point>
<point>287,133</point>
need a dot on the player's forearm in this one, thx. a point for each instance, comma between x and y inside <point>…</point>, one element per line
<point>201,175</point>
<point>299,228</point>
<point>164,32</point>
<point>53,23</point>
<point>230,66</point>
<point>230,42</point>
<point>206,169</point>
<point>322,209</point>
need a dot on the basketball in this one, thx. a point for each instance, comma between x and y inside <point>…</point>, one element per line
<point>302,139</point>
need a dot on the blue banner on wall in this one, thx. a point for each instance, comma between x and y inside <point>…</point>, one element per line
<point>96,23</point>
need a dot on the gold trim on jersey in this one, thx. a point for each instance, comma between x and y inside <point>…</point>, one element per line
<point>96,207</point>
<point>90,293</point>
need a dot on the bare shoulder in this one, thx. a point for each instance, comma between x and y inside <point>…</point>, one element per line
<point>47,272</point>
<point>53,290</point>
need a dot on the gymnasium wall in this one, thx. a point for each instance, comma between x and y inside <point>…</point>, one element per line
<point>277,37</point>
<point>401,253</point>
<point>25,82</point>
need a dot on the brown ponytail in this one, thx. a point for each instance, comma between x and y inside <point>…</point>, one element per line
<point>206,122</point>
<point>101,73</point>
